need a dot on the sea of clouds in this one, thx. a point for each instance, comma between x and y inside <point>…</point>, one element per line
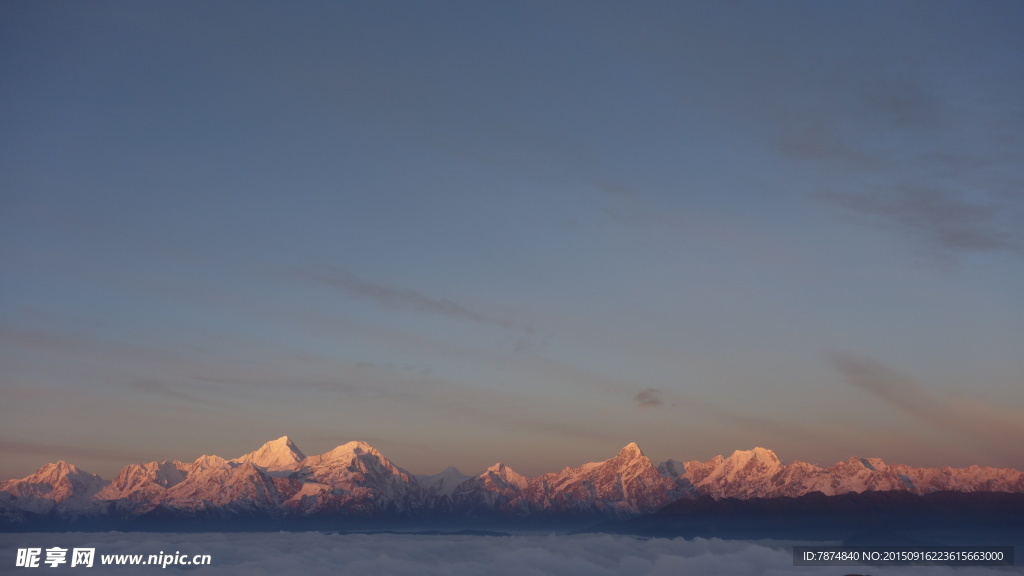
<point>315,553</point>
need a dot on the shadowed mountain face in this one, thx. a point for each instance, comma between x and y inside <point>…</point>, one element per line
<point>882,518</point>
<point>355,481</point>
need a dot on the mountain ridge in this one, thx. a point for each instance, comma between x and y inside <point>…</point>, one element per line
<point>355,480</point>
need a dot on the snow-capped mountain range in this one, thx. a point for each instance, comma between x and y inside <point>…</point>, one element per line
<point>355,480</point>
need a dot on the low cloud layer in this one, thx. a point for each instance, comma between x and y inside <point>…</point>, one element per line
<point>314,554</point>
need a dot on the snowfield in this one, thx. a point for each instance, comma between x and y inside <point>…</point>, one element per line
<point>356,480</point>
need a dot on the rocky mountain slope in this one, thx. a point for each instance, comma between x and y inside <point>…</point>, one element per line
<point>356,480</point>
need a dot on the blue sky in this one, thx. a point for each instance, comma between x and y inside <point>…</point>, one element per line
<point>530,232</point>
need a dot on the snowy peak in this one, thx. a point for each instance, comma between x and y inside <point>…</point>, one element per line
<point>356,460</point>
<point>163,474</point>
<point>359,447</point>
<point>502,477</point>
<point>356,479</point>
<point>347,452</point>
<point>758,454</point>
<point>242,488</point>
<point>54,472</point>
<point>141,487</point>
<point>873,463</point>
<point>631,451</point>
<point>207,462</point>
<point>276,454</point>
<point>54,483</point>
<point>859,465</point>
<point>64,478</point>
<point>628,463</point>
<point>444,482</point>
<point>498,468</point>
<point>744,474</point>
<point>624,485</point>
<point>744,463</point>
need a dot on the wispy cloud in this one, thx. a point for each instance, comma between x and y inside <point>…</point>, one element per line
<point>948,220</point>
<point>762,428</point>
<point>983,422</point>
<point>525,354</point>
<point>648,398</point>
<point>68,453</point>
<point>355,286</point>
<point>552,427</point>
<point>898,156</point>
<point>887,138</point>
<point>164,389</point>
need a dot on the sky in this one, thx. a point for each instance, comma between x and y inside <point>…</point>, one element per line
<point>528,232</point>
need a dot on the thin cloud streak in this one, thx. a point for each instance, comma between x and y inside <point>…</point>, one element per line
<point>947,219</point>
<point>954,194</point>
<point>911,132</point>
<point>520,357</point>
<point>353,285</point>
<point>555,428</point>
<point>71,454</point>
<point>162,388</point>
<point>982,422</point>
<point>760,425</point>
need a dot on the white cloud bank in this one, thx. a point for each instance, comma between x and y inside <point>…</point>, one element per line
<point>313,553</point>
